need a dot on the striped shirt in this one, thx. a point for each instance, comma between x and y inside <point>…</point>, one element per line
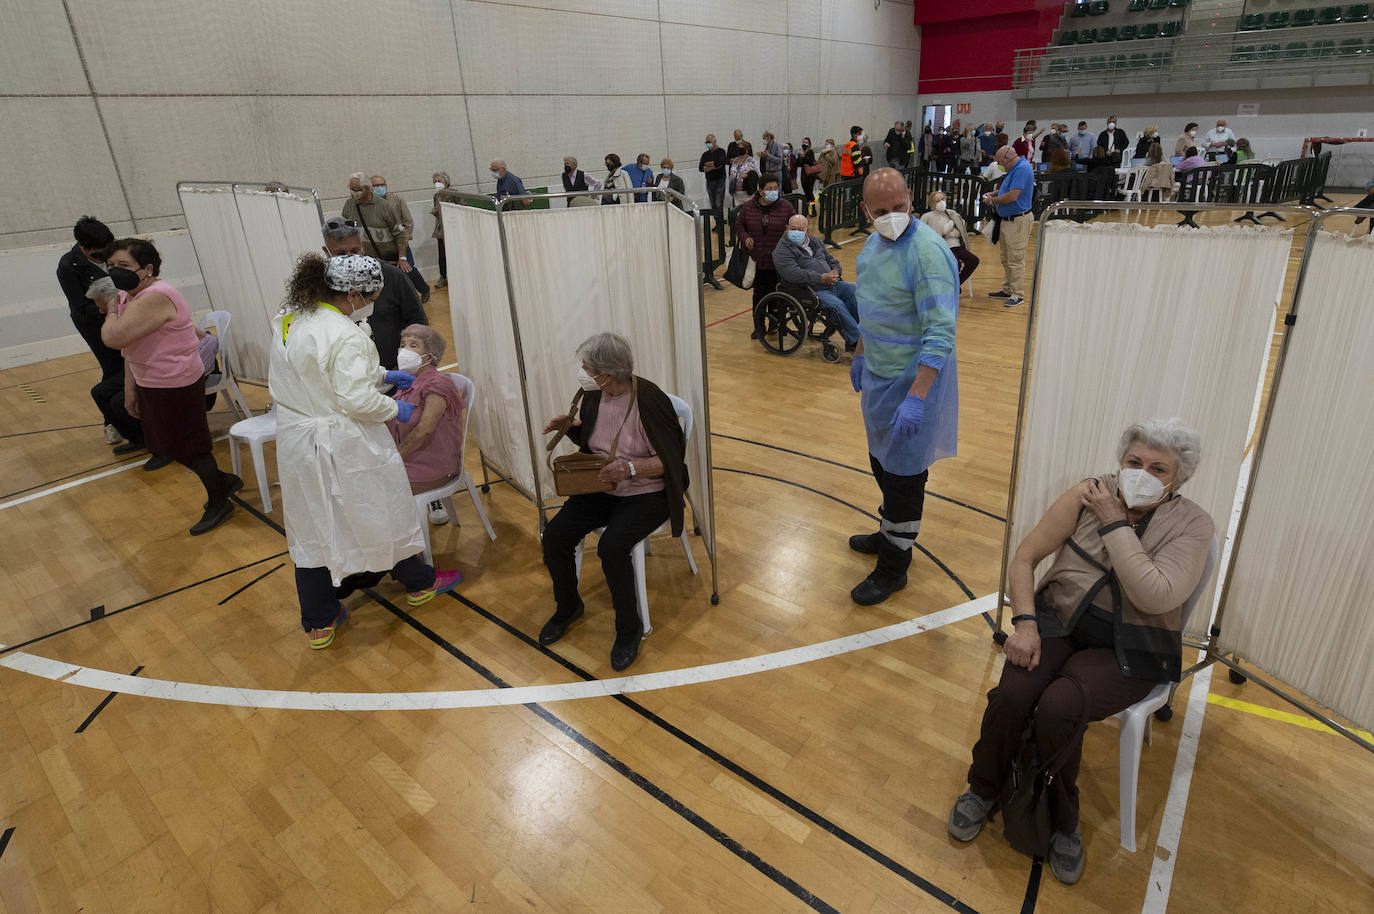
<point>385,224</point>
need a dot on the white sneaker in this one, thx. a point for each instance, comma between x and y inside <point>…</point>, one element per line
<point>112,435</point>
<point>437,514</point>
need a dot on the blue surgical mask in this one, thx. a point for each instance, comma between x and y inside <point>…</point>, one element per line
<point>795,236</point>
<point>665,171</point>
<point>771,196</point>
<point>380,190</point>
<point>496,174</point>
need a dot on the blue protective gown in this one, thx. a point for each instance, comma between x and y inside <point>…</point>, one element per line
<point>908,304</point>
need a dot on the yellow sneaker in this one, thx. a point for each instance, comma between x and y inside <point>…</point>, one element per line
<point>444,581</point>
<point>321,638</point>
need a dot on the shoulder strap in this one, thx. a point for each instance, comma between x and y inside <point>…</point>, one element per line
<point>370,240</point>
<point>634,394</point>
<point>577,398</point>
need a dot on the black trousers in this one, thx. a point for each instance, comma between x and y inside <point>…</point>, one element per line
<point>904,498</point>
<point>765,281</point>
<point>715,190</point>
<point>416,279</point>
<point>627,519</point>
<point>320,599</point>
<point>111,365</point>
<point>109,399</point>
<point>443,259</point>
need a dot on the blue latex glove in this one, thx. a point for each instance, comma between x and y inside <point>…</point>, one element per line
<point>404,410</point>
<point>908,417</point>
<point>856,372</point>
<point>400,379</point>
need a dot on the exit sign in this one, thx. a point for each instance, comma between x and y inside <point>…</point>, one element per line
<point>963,108</point>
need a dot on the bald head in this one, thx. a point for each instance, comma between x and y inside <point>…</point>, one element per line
<point>1006,157</point>
<point>798,222</point>
<point>885,191</point>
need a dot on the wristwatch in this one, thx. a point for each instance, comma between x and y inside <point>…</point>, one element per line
<point>633,472</point>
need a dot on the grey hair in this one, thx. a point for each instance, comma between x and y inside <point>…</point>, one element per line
<point>608,353</point>
<point>500,162</point>
<point>337,230</point>
<point>433,342</point>
<point>360,178</point>
<point>444,175</point>
<point>1171,434</point>
<point>102,289</point>
<point>572,159</point>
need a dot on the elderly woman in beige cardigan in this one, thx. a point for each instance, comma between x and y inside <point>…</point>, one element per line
<point>1128,551</point>
<point>950,226</point>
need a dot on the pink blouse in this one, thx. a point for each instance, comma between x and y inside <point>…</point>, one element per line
<point>442,456</point>
<point>170,355</point>
<point>633,445</point>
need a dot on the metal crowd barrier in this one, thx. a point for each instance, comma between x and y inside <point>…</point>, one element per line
<point>838,208</point>
<point>713,245</point>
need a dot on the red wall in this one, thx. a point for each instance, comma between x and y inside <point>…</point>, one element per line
<point>968,46</point>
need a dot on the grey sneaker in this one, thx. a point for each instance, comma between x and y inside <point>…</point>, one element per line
<point>1013,302</point>
<point>968,815</point>
<point>1067,856</point>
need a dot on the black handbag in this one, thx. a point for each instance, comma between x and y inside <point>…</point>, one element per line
<point>740,270</point>
<point>1024,799</point>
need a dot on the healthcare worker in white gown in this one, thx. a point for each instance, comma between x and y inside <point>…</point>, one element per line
<point>345,496</point>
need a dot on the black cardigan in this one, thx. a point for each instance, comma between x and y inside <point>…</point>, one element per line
<point>665,435</point>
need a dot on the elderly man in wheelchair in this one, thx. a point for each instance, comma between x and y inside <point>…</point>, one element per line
<point>809,288</point>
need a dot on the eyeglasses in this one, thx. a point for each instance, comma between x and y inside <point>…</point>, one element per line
<point>336,222</point>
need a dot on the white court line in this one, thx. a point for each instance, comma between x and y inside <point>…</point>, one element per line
<point>80,482</point>
<point>105,681</point>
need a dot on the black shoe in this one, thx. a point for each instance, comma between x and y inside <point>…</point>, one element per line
<point>233,485</point>
<point>424,297</point>
<point>625,650</point>
<point>850,347</point>
<point>557,627</point>
<point>128,447</point>
<point>999,294</point>
<point>867,543</point>
<point>875,589</point>
<point>156,463</point>
<point>213,517</point>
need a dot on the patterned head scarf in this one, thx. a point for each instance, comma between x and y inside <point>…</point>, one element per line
<point>353,272</point>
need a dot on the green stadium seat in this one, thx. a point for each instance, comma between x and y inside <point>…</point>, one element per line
<point>1243,53</point>
<point>1303,18</point>
<point>1128,33</point>
<point>1278,20</point>
<point>1159,59</point>
<point>1178,4</point>
<point>1170,29</point>
<point>1252,22</point>
<point>1107,34</point>
<point>1269,51</point>
<point>1059,65</point>
<point>1099,8</point>
<point>1087,36</point>
<point>1139,61</point>
<point>1351,46</point>
<point>1295,50</point>
<point>1098,63</point>
<point>1137,6</point>
<point>1159,4</point>
<point>1078,65</point>
<point>1323,48</point>
<point>1117,62</point>
<point>1067,38</point>
<point>1357,12</point>
<point>1329,15</point>
<point>1149,30</point>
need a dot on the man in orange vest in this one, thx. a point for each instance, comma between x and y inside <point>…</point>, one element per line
<point>851,153</point>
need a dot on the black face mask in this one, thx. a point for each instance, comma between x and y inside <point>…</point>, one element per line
<point>567,169</point>
<point>124,280</point>
<point>610,167</point>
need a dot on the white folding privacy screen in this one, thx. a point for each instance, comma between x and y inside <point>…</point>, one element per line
<point>1132,322</point>
<point>633,269</point>
<point>247,240</point>
<point>1302,577</point>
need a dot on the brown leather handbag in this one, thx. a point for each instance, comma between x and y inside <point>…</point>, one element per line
<point>577,473</point>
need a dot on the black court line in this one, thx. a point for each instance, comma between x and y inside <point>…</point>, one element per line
<point>860,470</point>
<point>101,707</point>
<point>105,615</point>
<point>810,899</point>
<point>143,455</point>
<point>250,584</point>
<point>44,431</point>
<point>801,809</point>
<point>5,840</point>
<point>1032,886</point>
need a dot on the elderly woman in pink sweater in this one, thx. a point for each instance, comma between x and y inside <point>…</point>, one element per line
<point>431,441</point>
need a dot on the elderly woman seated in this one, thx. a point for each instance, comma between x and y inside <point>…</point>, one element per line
<point>1103,627</point>
<point>431,441</point>
<point>627,416</point>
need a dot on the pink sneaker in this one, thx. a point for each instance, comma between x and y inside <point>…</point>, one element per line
<point>444,581</point>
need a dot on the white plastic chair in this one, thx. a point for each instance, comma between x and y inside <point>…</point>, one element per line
<point>463,480</point>
<point>1130,187</point>
<point>226,383</point>
<point>684,414</point>
<point>1135,720</point>
<point>255,431</point>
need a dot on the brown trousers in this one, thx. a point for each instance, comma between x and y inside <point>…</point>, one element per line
<point>1058,706</point>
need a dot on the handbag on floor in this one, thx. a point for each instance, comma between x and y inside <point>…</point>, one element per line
<point>579,473</point>
<point>740,270</point>
<point>1024,799</point>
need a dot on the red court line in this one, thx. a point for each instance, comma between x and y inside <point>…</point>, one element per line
<point>724,319</point>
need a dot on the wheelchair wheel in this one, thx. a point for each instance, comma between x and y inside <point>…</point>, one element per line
<point>781,323</point>
<point>830,352</point>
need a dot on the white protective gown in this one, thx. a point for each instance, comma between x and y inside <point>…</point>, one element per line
<point>344,491</point>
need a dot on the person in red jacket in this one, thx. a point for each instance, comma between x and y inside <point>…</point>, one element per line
<point>761,223</point>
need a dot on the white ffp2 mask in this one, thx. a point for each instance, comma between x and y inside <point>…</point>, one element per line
<point>586,381</point>
<point>891,225</point>
<point>360,315</point>
<point>409,361</point>
<point>1139,487</point>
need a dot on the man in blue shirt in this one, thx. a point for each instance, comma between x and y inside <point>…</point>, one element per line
<point>507,184</point>
<point>1081,144</point>
<point>1012,223</point>
<point>987,143</point>
<point>640,175</point>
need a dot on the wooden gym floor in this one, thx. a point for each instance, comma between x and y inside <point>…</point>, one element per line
<point>823,784</point>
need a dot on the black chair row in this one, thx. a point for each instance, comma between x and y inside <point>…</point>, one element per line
<point>1109,34</point>
<point>1330,15</point>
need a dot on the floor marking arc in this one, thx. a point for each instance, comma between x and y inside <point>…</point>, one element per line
<point>233,696</point>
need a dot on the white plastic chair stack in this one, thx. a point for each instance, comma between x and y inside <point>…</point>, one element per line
<point>1135,720</point>
<point>1130,188</point>
<point>226,383</point>
<point>463,480</point>
<point>254,431</point>
<point>684,414</point>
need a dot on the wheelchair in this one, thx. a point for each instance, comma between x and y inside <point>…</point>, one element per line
<point>792,314</point>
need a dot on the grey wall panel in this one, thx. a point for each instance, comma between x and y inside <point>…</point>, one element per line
<point>804,18</point>
<point>37,53</point>
<point>753,15</point>
<point>804,66</point>
<point>697,59</point>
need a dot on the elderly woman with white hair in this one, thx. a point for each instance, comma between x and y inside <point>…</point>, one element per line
<point>1103,627</point>
<point>431,440</point>
<point>630,418</point>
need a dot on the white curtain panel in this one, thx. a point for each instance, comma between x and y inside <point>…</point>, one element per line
<point>1134,322</point>
<point>484,345</point>
<point>247,243</point>
<point>1303,571</point>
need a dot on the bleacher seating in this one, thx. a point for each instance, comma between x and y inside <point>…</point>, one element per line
<point>1358,12</point>
<point>1302,18</point>
<point>1295,50</point>
<point>1170,29</point>
<point>1252,22</point>
<point>1137,6</point>
<point>1322,48</point>
<point>1106,34</point>
<point>1278,20</point>
<point>1127,33</point>
<point>1079,10</point>
<point>1351,46</point>
<point>1159,4</point>
<point>1100,7</point>
<point>1329,15</point>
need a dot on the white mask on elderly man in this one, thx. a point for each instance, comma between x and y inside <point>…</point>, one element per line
<point>891,225</point>
<point>1138,487</point>
<point>586,381</point>
<point>409,361</point>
